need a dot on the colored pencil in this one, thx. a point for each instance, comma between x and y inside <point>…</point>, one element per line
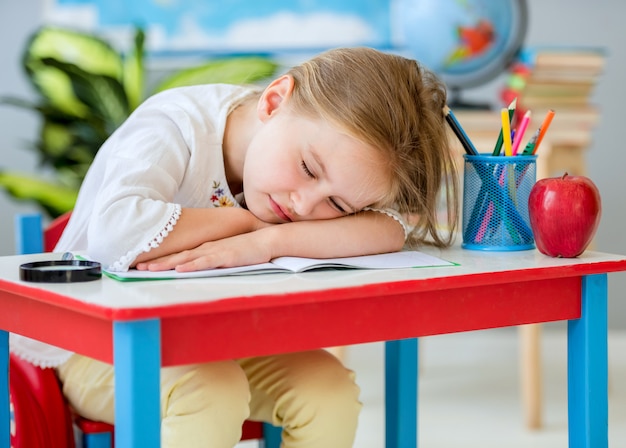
<point>530,146</point>
<point>484,225</point>
<point>468,146</point>
<point>521,130</point>
<point>544,127</point>
<point>498,147</point>
<point>506,132</point>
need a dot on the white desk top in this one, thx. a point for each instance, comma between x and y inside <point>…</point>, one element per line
<point>107,295</point>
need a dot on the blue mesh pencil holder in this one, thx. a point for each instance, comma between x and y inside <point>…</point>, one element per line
<point>495,202</point>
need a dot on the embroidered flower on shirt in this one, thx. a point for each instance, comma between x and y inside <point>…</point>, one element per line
<point>219,198</point>
<point>225,202</point>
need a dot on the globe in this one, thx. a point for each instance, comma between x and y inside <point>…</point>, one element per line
<point>466,42</point>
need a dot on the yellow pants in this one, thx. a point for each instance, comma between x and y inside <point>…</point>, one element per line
<point>309,394</point>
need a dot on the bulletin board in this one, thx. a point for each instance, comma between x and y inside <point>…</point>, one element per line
<point>233,26</point>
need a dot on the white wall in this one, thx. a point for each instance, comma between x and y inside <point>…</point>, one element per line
<point>17,127</point>
<point>574,22</point>
<point>580,22</point>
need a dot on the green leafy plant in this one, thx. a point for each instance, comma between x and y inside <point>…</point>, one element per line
<point>86,89</point>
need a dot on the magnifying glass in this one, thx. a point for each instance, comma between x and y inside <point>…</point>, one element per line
<point>61,271</point>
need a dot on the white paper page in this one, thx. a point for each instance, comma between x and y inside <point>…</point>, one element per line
<point>393,260</point>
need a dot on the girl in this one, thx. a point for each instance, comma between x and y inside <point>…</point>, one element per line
<point>343,155</point>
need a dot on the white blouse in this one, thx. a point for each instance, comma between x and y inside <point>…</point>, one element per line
<point>166,156</point>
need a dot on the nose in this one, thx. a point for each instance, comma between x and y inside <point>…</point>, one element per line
<point>305,201</point>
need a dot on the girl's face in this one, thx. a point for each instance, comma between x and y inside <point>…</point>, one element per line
<point>299,169</point>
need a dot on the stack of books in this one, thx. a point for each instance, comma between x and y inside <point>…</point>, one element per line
<point>562,79</point>
<point>543,79</point>
<point>552,77</point>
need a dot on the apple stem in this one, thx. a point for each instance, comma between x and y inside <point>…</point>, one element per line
<point>564,175</point>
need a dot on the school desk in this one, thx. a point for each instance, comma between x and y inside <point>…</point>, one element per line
<point>142,325</point>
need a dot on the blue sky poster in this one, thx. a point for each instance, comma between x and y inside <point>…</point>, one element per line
<point>182,26</point>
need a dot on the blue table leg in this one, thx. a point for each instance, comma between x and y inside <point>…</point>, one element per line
<point>587,368</point>
<point>401,393</point>
<point>272,436</point>
<point>137,359</point>
<point>98,440</point>
<point>5,416</point>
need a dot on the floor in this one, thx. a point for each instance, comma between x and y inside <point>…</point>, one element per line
<point>469,391</point>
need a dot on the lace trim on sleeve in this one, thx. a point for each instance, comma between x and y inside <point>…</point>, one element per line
<point>392,214</point>
<point>38,353</point>
<point>124,262</point>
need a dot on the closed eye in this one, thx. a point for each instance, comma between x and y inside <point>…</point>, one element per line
<point>306,170</point>
<point>336,205</point>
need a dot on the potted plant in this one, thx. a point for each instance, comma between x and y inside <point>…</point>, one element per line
<point>86,89</point>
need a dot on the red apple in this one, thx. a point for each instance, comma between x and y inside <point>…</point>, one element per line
<point>564,214</point>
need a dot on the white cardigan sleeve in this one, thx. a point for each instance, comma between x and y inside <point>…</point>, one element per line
<point>165,157</point>
<point>143,166</point>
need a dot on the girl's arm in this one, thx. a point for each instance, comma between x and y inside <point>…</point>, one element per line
<point>198,225</point>
<point>361,234</point>
<point>367,232</point>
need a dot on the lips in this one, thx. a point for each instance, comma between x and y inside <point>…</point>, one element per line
<point>277,209</point>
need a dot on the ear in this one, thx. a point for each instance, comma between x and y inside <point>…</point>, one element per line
<point>274,96</point>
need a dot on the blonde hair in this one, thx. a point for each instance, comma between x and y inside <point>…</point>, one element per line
<point>394,104</point>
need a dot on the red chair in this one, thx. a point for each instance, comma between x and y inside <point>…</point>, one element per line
<point>41,418</point>
<point>40,414</point>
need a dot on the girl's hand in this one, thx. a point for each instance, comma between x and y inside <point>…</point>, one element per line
<point>239,250</point>
<point>199,225</point>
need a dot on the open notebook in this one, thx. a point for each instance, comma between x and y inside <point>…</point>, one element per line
<point>393,260</point>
